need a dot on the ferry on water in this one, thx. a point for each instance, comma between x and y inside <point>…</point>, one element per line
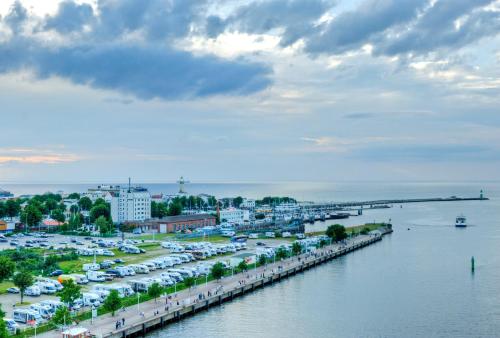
<point>461,221</point>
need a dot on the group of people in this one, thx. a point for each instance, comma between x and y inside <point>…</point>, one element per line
<point>119,323</point>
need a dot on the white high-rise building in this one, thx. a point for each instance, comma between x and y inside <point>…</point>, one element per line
<point>130,204</point>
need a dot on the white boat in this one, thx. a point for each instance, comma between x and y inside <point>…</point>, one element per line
<point>461,221</point>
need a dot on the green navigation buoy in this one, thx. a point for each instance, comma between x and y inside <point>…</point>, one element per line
<point>472,263</point>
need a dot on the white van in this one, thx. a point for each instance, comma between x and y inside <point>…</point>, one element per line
<point>123,289</point>
<point>53,304</point>
<point>54,282</point>
<point>91,299</point>
<point>91,267</point>
<point>26,315</point>
<point>139,268</point>
<point>95,276</point>
<point>44,310</point>
<point>125,270</point>
<point>46,288</point>
<point>33,291</point>
<point>270,234</point>
<point>12,326</point>
<point>80,279</point>
<point>150,265</point>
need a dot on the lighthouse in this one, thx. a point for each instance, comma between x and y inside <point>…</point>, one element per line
<point>481,195</point>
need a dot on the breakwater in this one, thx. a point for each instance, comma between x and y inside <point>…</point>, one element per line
<point>287,269</point>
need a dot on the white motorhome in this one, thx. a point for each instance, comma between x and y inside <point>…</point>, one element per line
<point>80,279</point>
<point>54,282</point>
<point>95,276</point>
<point>123,289</point>
<point>139,268</point>
<point>44,310</point>
<point>53,304</point>
<point>33,291</point>
<point>27,315</point>
<point>91,266</point>
<point>91,299</point>
<point>150,265</point>
<point>46,288</point>
<point>125,270</point>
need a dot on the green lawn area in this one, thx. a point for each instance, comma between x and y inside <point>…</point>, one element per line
<point>354,228</point>
<point>5,285</point>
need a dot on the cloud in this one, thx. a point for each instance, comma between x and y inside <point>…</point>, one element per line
<point>447,24</point>
<point>70,17</point>
<point>353,29</point>
<point>142,68</point>
<point>296,17</point>
<point>34,156</point>
<point>16,17</point>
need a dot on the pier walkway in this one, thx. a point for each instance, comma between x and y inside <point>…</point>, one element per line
<point>148,316</point>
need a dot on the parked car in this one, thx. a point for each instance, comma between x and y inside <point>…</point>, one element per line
<point>119,261</point>
<point>56,273</point>
<point>13,290</point>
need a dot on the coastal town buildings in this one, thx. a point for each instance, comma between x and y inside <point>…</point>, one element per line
<point>178,223</point>
<point>130,204</point>
<point>235,216</point>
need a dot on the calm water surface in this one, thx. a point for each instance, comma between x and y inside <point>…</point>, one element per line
<point>415,283</point>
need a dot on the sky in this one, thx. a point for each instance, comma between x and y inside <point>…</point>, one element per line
<point>249,90</point>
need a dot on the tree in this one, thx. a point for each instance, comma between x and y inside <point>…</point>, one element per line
<point>237,201</point>
<point>296,248</point>
<point>218,270</point>
<point>365,231</point>
<point>58,215</point>
<point>85,203</point>
<point>262,259</point>
<point>175,209</point>
<point>155,290</point>
<point>4,333</point>
<point>7,268</point>
<point>75,221</point>
<point>23,280</point>
<point>281,253</point>
<point>74,196</point>
<point>12,208</point>
<point>189,282</point>
<point>50,204</point>
<point>74,208</point>
<point>336,232</point>
<point>113,302</point>
<point>70,292</point>
<point>102,224</point>
<point>31,215</point>
<point>243,266</point>
<point>99,210</point>
<point>3,210</point>
<point>62,316</point>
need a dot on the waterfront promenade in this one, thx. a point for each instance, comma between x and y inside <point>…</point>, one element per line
<point>142,318</point>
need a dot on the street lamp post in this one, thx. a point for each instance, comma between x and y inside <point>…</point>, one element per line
<point>138,300</point>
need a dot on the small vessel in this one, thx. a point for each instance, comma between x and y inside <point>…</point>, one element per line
<point>461,221</point>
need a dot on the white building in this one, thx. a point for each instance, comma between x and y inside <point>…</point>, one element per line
<point>102,191</point>
<point>286,208</point>
<point>247,204</point>
<point>130,204</point>
<point>235,216</point>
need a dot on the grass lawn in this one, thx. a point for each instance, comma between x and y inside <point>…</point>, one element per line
<point>354,228</point>
<point>5,285</point>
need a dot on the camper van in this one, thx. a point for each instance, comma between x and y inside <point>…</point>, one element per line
<point>125,270</point>
<point>80,279</point>
<point>44,310</point>
<point>27,315</point>
<point>91,299</point>
<point>139,268</point>
<point>150,265</point>
<point>123,289</point>
<point>58,286</point>
<point>12,326</point>
<point>53,304</point>
<point>95,276</point>
<point>33,291</point>
<point>141,285</point>
<point>270,234</point>
<point>91,266</point>
<point>46,288</point>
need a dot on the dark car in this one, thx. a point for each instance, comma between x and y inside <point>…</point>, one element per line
<point>56,273</point>
<point>3,240</point>
<point>119,261</point>
<point>105,265</point>
<point>260,243</point>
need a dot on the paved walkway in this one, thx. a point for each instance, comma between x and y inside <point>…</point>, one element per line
<point>139,313</point>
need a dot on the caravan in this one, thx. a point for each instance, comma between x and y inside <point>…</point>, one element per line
<point>43,310</point>
<point>33,291</point>
<point>26,316</point>
<point>91,299</point>
<point>46,288</point>
<point>96,276</point>
<point>91,266</point>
